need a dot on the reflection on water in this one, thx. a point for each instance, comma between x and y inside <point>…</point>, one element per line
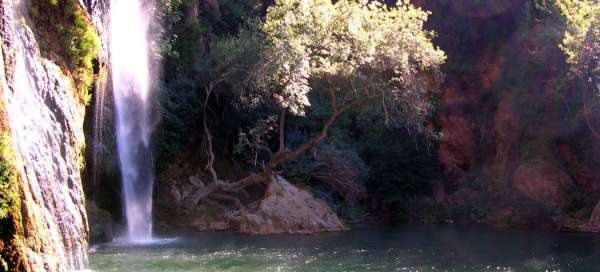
<point>404,248</point>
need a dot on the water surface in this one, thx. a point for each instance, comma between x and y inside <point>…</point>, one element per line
<point>403,248</point>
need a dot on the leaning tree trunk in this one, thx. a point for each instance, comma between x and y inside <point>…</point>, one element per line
<point>220,193</point>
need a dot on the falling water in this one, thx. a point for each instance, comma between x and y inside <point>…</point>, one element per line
<point>45,131</point>
<point>130,76</point>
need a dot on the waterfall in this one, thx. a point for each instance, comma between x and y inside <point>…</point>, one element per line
<point>95,144</point>
<point>46,131</point>
<point>130,77</point>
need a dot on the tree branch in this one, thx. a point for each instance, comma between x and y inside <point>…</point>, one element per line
<point>294,154</point>
<point>281,129</point>
<point>208,137</point>
<point>333,99</point>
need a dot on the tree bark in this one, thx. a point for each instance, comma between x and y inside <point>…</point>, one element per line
<point>281,132</point>
<point>279,158</point>
<point>219,190</point>
<point>210,154</point>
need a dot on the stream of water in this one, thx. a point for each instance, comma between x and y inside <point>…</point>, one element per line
<point>403,248</point>
<point>45,130</point>
<point>130,76</point>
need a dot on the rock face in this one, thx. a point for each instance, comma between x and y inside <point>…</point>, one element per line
<point>101,224</point>
<point>102,180</point>
<point>543,182</point>
<point>45,116</point>
<point>514,145</point>
<point>288,209</point>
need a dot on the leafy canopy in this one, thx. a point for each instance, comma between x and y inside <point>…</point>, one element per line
<point>582,18</point>
<point>378,49</point>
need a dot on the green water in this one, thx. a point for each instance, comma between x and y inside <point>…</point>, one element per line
<point>403,248</point>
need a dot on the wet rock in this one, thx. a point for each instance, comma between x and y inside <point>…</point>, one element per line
<point>101,224</point>
<point>45,117</point>
<point>288,209</point>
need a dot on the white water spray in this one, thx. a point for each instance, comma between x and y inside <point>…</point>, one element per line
<point>130,76</point>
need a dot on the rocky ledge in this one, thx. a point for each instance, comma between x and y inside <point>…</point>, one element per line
<point>289,209</point>
<point>285,209</point>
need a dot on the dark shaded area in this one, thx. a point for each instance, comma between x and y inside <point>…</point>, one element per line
<point>508,112</point>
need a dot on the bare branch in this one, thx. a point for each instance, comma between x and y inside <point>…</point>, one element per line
<point>333,99</point>
<point>281,129</point>
<point>208,138</point>
<point>294,154</point>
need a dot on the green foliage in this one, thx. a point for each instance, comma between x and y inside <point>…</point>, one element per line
<point>183,39</point>
<point>254,140</point>
<point>171,10</point>
<point>302,52</point>
<point>580,16</point>
<point>335,149</point>
<point>378,48</point>
<point>540,26</point>
<point>8,188</point>
<point>12,244</point>
<point>84,44</point>
<point>589,57</point>
<point>226,68</point>
<point>395,164</point>
<point>196,52</point>
<point>179,108</point>
<point>64,29</point>
<point>237,11</point>
<point>339,147</point>
<point>231,59</point>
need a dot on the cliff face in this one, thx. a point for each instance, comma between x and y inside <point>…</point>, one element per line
<point>44,110</point>
<point>102,174</point>
<point>515,145</point>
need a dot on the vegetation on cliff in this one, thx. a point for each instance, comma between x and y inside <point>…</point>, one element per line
<point>12,254</point>
<point>582,25</point>
<point>343,57</point>
<point>83,43</point>
<point>233,70</point>
<point>9,195</point>
<point>517,144</point>
<point>66,31</point>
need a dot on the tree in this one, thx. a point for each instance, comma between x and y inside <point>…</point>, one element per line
<point>362,52</point>
<point>581,26</point>
<point>580,45</point>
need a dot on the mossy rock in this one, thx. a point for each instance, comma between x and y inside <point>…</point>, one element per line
<point>12,245</point>
<point>77,45</point>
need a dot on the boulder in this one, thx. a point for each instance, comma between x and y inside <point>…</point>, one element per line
<point>289,209</point>
<point>100,222</point>
<point>543,182</point>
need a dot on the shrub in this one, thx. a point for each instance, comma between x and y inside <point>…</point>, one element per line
<point>67,36</point>
<point>83,43</point>
<point>8,189</point>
